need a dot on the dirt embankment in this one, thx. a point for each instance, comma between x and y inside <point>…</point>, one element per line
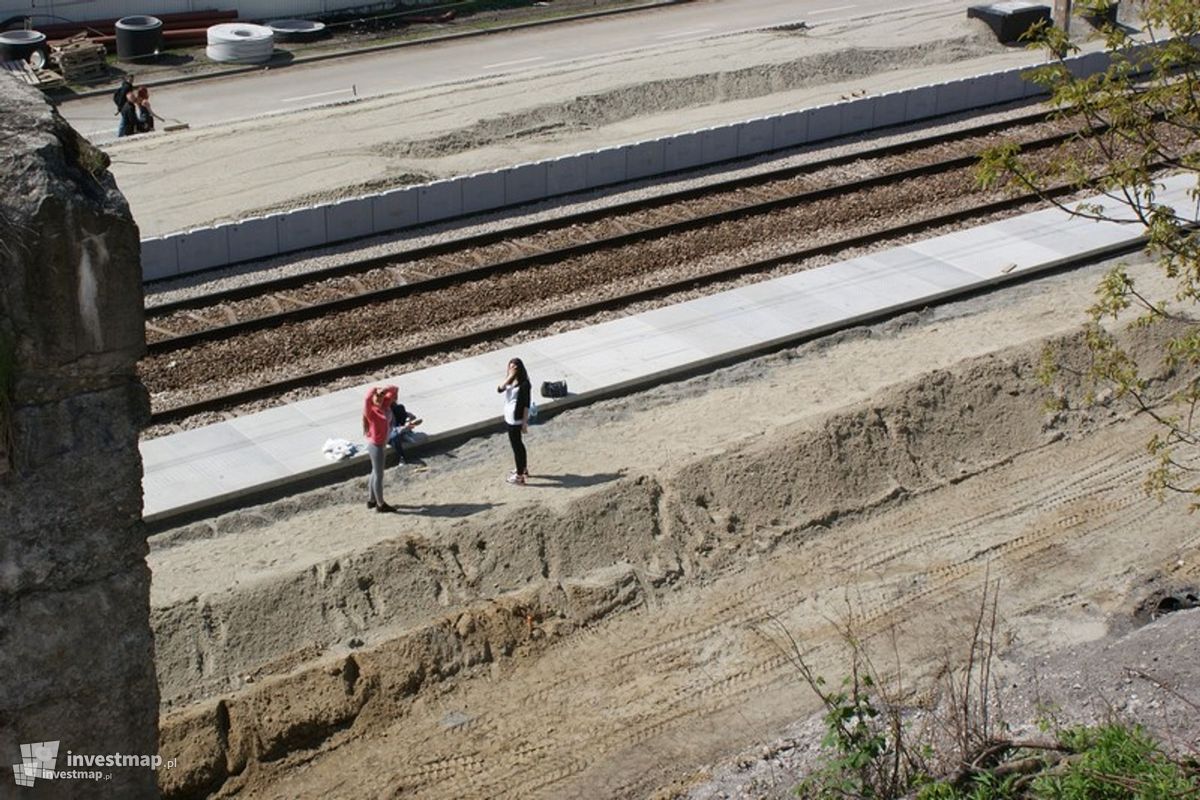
<point>602,647</point>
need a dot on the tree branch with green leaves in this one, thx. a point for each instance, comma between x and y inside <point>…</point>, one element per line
<point>1137,121</point>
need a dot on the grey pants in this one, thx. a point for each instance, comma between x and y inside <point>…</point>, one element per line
<point>378,454</point>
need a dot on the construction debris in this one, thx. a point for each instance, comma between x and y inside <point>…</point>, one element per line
<point>41,78</point>
<point>79,59</point>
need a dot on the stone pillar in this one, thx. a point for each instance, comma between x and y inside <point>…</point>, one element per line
<point>76,651</point>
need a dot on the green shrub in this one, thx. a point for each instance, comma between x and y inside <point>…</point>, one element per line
<point>1116,762</point>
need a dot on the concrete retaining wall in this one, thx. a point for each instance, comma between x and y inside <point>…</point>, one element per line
<point>191,251</point>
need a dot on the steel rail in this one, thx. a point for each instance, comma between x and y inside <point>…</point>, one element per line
<point>284,283</point>
<point>543,257</point>
<point>587,308</point>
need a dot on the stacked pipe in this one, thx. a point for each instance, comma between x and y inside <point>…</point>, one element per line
<point>179,29</point>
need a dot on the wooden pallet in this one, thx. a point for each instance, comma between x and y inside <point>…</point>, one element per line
<point>79,59</point>
<point>84,74</point>
<point>41,78</point>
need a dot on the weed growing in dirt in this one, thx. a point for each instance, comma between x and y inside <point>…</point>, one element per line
<point>859,766</point>
<point>1114,761</point>
<point>1137,117</point>
<point>874,753</point>
<point>870,747</point>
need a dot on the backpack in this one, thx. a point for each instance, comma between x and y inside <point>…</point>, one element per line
<point>554,389</point>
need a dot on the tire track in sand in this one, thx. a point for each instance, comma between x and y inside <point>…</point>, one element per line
<point>588,706</point>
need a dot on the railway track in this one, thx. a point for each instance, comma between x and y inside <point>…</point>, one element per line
<point>180,323</point>
<point>480,268</point>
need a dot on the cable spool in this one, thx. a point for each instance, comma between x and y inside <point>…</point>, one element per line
<point>240,43</point>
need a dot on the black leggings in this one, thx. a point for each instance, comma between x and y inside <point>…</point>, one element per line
<point>514,438</point>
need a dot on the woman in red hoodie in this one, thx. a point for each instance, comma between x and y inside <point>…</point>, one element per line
<point>377,423</point>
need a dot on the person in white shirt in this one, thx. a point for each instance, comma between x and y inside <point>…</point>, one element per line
<point>517,391</point>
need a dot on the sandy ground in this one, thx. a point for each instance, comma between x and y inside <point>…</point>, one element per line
<point>457,129</point>
<point>614,629</point>
<point>885,474</point>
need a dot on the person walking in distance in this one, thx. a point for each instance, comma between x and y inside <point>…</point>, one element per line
<point>141,106</point>
<point>377,419</point>
<point>126,113</point>
<point>517,392</point>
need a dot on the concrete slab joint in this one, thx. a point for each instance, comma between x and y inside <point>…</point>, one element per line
<point>645,159</point>
<point>567,174</point>
<point>606,167</point>
<point>348,219</point>
<point>440,200</point>
<point>393,210</point>
<point>301,229</point>
<point>720,144</point>
<point>756,136</point>
<point>257,237</point>
<point>202,248</point>
<point>525,183</point>
<point>483,191</point>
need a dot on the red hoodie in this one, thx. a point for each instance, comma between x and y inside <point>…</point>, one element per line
<point>377,415</point>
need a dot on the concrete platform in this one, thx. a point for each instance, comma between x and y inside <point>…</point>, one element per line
<point>239,461</point>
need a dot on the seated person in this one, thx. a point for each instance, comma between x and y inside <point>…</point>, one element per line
<point>402,424</point>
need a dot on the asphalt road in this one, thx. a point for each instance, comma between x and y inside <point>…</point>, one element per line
<point>219,100</point>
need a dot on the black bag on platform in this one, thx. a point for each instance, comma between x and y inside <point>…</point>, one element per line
<point>554,388</point>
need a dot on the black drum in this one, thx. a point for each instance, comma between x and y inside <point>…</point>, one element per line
<point>138,37</point>
<point>20,45</point>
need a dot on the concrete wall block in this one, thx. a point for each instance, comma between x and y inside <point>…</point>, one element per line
<point>791,130</point>
<point>439,200</point>
<point>1088,64</point>
<point>482,191</point>
<point>645,158</point>
<point>756,136</point>
<point>922,103</point>
<point>824,122</point>
<point>720,143</point>
<point>1032,89</point>
<point>393,210</point>
<point>253,238</point>
<point>565,175</point>
<point>889,109</point>
<point>301,229</point>
<point>683,151</point>
<point>159,258</point>
<point>953,96</point>
<point>858,115</point>
<point>348,219</point>
<point>202,248</point>
<point>982,90</point>
<point>525,183</point>
<point>1010,85</point>
<point>605,167</point>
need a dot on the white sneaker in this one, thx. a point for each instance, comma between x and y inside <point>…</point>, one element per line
<point>515,479</point>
